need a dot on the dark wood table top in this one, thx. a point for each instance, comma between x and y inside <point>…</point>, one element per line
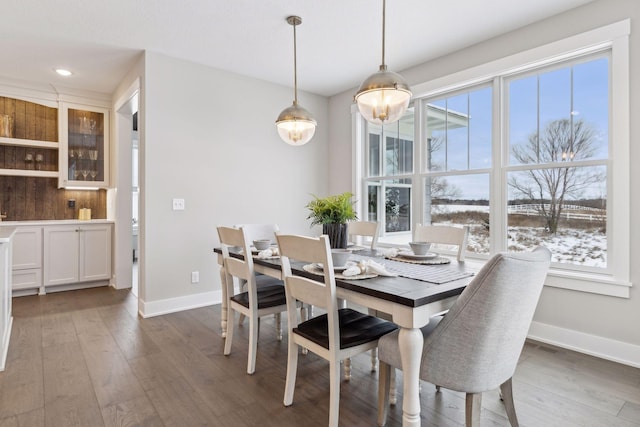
<point>400,290</point>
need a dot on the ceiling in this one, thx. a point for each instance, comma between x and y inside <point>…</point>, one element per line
<point>339,41</point>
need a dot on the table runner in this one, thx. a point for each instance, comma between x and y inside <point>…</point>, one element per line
<point>437,274</point>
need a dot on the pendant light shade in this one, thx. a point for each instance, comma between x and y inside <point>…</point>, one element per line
<point>383,97</point>
<point>296,125</point>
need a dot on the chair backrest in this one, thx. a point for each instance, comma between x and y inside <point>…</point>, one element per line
<point>365,229</point>
<point>478,343</point>
<point>235,267</point>
<point>320,292</point>
<point>259,231</point>
<point>443,234</point>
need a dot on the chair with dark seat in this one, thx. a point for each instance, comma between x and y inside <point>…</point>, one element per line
<point>450,235</point>
<point>256,301</point>
<point>339,334</point>
<point>364,229</point>
<point>476,346</point>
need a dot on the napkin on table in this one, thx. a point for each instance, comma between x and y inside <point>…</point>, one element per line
<point>367,266</point>
<point>268,253</point>
<point>391,252</point>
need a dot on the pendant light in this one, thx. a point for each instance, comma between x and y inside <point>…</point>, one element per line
<point>296,125</point>
<point>383,96</point>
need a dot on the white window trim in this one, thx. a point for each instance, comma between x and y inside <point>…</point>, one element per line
<point>615,37</point>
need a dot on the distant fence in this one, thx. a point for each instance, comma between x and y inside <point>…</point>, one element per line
<point>568,211</point>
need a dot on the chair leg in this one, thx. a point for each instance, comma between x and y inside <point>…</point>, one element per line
<point>393,390</point>
<point>278,319</point>
<point>374,359</point>
<point>292,368</point>
<point>506,389</point>
<point>229,337</point>
<point>384,378</point>
<point>254,328</point>
<point>334,392</point>
<point>347,369</point>
<point>472,409</point>
<point>305,313</point>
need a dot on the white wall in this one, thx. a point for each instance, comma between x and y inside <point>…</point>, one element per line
<point>210,138</point>
<point>596,324</point>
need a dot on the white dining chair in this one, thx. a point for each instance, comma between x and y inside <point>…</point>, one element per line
<point>253,303</point>
<point>476,346</point>
<point>451,235</point>
<point>259,231</point>
<point>339,334</point>
<point>364,229</point>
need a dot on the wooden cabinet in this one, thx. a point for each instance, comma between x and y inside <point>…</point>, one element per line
<point>84,155</point>
<point>55,139</point>
<point>77,253</point>
<point>27,258</point>
<point>28,138</point>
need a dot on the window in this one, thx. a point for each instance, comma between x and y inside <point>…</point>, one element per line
<point>524,156</point>
<point>390,167</point>
<point>558,123</point>
<point>457,153</point>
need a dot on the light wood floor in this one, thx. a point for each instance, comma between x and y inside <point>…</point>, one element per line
<point>84,358</point>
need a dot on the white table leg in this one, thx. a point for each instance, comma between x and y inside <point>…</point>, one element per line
<point>411,342</point>
<point>223,314</point>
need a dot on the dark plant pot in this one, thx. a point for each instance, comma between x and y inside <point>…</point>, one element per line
<point>337,235</point>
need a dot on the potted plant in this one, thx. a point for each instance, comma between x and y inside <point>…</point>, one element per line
<point>332,213</point>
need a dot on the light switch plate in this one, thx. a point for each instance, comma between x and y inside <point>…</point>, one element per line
<point>178,204</point>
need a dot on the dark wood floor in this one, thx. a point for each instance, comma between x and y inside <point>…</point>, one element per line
<point>84,358</point>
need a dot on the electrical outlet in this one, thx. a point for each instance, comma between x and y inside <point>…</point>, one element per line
<point>178,204</point>
<point>195,277</point>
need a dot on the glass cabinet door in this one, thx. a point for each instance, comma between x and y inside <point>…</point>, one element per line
<point>86,154</point>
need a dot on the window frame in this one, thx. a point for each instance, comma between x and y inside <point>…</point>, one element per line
<point>613,280</point>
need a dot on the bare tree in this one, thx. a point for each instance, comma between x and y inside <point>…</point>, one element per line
<point>561,140</point>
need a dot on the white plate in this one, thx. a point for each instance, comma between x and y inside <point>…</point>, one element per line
<point>411,255</point>
<point>339,269</point>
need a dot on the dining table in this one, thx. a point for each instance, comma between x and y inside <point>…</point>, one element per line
<point>410,298</point>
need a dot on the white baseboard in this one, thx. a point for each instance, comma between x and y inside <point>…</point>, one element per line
<point>172,305</point>
<point>604,348</point>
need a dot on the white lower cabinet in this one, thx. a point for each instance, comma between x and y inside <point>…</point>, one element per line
<point>27,258</point>
<point>77,253</point>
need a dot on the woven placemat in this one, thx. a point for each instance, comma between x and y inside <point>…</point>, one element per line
<point>432,261</point>
<point>311,268</point>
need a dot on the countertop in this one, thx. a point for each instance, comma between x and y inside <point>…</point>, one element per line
<point>4,224</point>
<point>6,233</point>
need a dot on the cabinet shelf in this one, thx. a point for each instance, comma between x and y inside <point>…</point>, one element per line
<point>28,172</point>
<point>16,142</point>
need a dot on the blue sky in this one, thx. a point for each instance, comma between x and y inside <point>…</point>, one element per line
<point>535,98</point>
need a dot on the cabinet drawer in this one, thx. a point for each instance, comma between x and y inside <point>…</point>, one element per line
<point>26,279</point>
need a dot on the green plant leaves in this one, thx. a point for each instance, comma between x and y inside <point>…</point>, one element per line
<point>336,209</point>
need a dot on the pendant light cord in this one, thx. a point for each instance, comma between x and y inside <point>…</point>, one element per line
<point>295,68</point>
<point>383,66</point>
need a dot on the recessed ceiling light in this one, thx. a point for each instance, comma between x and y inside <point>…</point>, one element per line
<point>63,72</point>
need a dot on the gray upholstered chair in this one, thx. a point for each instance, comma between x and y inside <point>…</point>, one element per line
<point>476,346</point>
<point>337,335</point>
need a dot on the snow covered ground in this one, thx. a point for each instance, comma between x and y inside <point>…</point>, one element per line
<point>586,247</point>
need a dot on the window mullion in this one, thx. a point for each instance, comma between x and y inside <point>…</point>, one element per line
<point>498,175</point>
